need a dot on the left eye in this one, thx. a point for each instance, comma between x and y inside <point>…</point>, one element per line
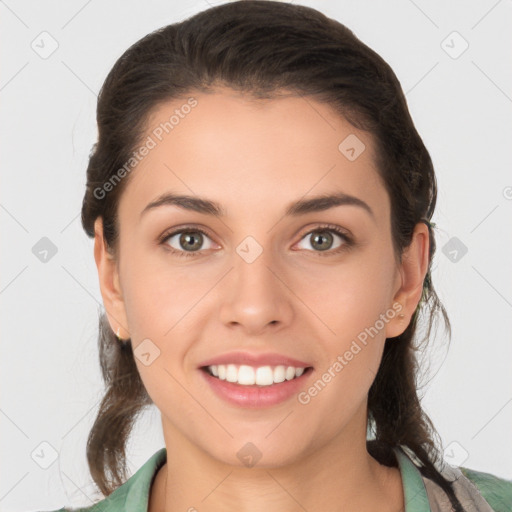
<point>322,239</point>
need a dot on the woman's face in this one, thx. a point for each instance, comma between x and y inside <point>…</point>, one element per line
<point>262,280</point>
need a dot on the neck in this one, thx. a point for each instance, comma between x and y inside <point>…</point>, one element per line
<point>340,473</point>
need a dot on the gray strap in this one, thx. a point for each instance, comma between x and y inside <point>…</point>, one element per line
<point>469,496</point>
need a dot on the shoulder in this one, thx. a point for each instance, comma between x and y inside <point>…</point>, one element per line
<point>495,490</point>
<point>133,495</point>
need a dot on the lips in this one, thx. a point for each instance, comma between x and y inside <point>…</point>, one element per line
<point>265,394</point>
<point>255,396</point>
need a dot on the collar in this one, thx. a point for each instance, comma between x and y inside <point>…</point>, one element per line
<point>415,492</point>
<point>135,497</point>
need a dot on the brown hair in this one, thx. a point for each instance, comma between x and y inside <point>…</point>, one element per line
<point>264,47</point>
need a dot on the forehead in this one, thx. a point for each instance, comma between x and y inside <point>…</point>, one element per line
<point>248,154</point>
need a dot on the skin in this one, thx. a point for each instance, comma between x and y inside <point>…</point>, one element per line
<point>255,158</point>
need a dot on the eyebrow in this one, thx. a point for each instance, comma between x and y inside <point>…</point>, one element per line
<point>301,207</point>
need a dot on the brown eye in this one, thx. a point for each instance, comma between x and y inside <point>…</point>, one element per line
<point>191,241</point>
<point>321,240</point>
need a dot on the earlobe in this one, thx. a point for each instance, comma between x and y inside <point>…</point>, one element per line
<point>412,272</point>
<point>108,276</point>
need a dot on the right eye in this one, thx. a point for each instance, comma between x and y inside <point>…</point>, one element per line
<point>188,242</point>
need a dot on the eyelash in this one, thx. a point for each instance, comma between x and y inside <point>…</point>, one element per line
<point>348,242</point>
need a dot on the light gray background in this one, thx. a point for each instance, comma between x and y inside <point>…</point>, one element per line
<point>50,374</point>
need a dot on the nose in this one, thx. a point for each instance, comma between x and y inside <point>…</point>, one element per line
<point>255,296</point>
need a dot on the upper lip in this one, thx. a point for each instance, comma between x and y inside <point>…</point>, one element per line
<point>256,360</point>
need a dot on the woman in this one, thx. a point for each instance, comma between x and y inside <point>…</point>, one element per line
<point>260,202</point>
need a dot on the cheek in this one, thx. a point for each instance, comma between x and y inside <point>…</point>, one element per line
<point>350,300</point>
<point>166,314</point>
<point>158,293</point>
<point>348,297</point>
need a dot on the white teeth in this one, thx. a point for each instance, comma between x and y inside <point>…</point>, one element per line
<point>248,375</point>
<point>264,375</point>
<point>231,373</point>
<point>279,374</point>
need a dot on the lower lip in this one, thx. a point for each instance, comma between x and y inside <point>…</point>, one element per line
<point>256,396</point>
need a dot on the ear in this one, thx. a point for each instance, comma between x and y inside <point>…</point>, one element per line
<point>108,275</point>
<point>411,274</point>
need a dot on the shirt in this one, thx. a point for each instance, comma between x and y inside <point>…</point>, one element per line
<point>477,491</point>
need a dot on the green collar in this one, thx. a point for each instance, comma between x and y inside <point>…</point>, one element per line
<point>415,493</point>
